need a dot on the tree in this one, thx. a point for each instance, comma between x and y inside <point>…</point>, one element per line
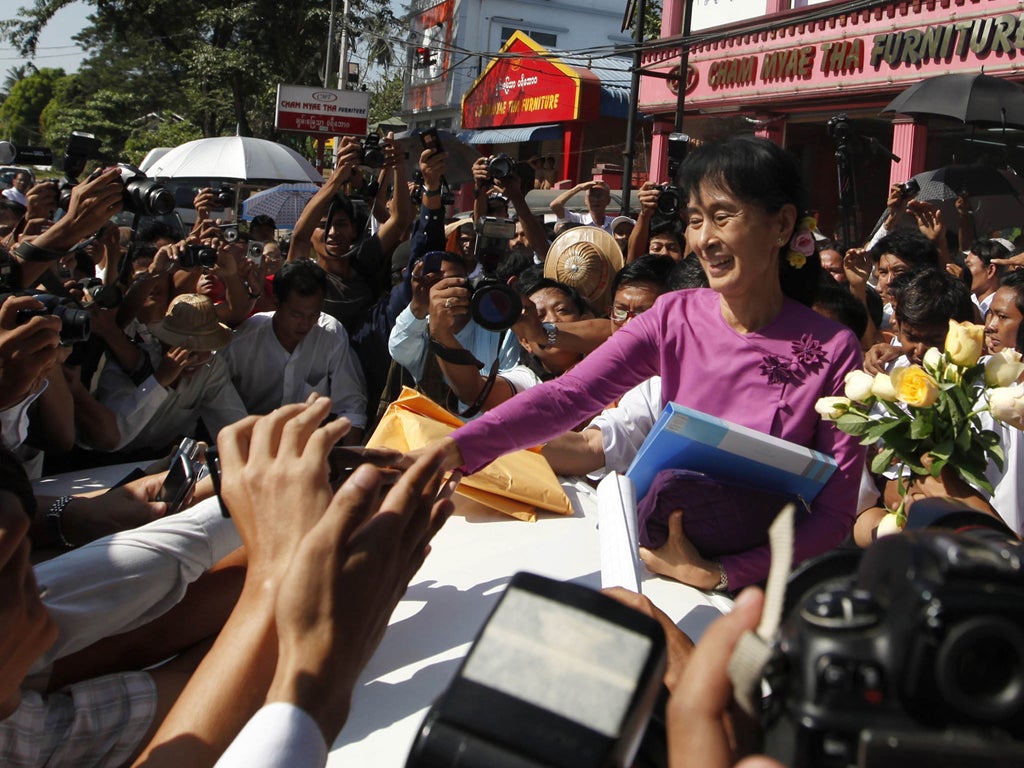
<point>386,97</point>
<point>165,132</point>
<point>216,62</point>
<point>14,74</point>
<point>21,110</point>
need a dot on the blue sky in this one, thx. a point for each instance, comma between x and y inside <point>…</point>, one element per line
<point>55,46</point>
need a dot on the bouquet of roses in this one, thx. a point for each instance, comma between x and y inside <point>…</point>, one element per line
<point>927,417</point>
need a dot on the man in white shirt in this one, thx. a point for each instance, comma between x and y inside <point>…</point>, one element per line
<point>281,357</point>
<point>985,275</point>
<point>597,198</point>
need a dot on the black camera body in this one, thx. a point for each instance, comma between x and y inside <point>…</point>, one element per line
<point>225,197</point>
<point>501,166</point>
<point>493,304</point>
<point>923,645</point>
<point>75,322</point>
<point>195,255</point>
<point>370,153</point>
<point>910,188</point>
<point>142,195</point>
<point>103,296</point>
<point>670,201</point>
<point>840,129</point>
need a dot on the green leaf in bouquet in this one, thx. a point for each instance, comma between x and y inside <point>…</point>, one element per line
<point>921,427</point>
<point>963,439</point>
<point>937,466</point>
<point>977,479</point>
<point>853,424</point>
<point>943,450</point>
<point>877,429</point>
<point>882,461</point>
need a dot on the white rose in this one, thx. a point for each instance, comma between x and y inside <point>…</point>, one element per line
<point>1004,368</point>
<point>858,386</point>
<point>888,525</point>
<point>933,360</point>
<point>1007,404</point>
<point>831,408</point>
<point>882,388</point>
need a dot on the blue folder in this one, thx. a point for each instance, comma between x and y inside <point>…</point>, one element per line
<point>683,438</point>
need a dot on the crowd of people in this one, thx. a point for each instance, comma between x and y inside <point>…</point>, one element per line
<point>729,300</point>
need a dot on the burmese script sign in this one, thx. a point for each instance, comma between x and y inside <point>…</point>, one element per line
<point>321,110</point>
<point>521,87</point>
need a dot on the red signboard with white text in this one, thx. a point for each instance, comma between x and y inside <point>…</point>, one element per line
<point>529,89</point>
<point>324,111</point>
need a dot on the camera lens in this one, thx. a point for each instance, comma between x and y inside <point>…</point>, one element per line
<point>148,197</point>
<point>979,669</point>
<point>495,306</point>
<point>225,197</point>
<point>669,201</point>
<point>501,166</point>
<point>75,324</point>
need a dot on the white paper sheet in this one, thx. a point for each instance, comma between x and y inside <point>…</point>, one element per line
<point>616,521</point>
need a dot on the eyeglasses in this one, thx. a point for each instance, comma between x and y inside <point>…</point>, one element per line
<point>622,315</point>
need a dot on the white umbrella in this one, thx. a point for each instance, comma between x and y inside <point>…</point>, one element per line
<point>283,203</point>
<point>236,158</point>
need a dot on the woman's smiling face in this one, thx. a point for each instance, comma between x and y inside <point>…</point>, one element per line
<point>737,241</point>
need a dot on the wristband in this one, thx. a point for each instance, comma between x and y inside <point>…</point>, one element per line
<point>29,252</point>
<point>552,331</point>
<point>53,521</point>
<point>431,192</point>
<point>454,356</point>
<point>723,580</point>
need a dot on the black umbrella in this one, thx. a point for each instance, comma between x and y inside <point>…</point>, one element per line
<point>995,195</point>
<point>973,99</point>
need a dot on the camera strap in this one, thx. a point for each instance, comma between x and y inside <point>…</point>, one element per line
<point>754,649</point>
<point>453,402</point>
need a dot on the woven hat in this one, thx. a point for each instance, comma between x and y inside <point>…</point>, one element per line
<point>586,258</point>
<point>192,317</point>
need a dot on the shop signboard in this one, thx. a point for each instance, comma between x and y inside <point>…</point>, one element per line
<point>321,111</point>
<point>525,85</point>
<point>854,52</point>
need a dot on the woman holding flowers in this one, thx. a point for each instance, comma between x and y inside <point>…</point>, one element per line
<point>744,350</point>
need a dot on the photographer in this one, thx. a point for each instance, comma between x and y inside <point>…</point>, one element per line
<point>511,186</point>
<point>642,239</point>
<point>357,269</point>
<point>220,281</point>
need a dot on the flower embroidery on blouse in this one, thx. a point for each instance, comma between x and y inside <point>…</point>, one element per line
<point>808,357</point>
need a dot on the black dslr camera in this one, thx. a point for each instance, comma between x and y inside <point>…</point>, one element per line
<point>75,324</point>
<point>197,255</point>
<point>493,305</point>
<point>80,148</point>
<point>670,201</point>
<point>370,153</point>
<point>917,658</point>
<point>143,195</point>
<point>501,166</point>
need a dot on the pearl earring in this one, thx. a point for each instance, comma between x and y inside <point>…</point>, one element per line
<point>778,241</point>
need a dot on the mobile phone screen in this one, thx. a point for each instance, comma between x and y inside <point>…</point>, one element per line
<point>178,484</point>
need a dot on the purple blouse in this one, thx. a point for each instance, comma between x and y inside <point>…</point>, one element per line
<point>768,381</point>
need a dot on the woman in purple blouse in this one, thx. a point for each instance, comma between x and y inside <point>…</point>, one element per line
<point>747,350</point>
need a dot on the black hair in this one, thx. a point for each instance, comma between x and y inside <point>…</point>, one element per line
<point>753,169</point>
<point>930,298</point>
<point>687,273</point>
<point>302,276</point>
<point>670,228</point>
<point>913,248</point>
<point>517,261</point>
<point>157,230</point>
<point>1015,279</point>
<point>987,249</point>
<point>346,206</point>
<point>835,301</point>
<point>570,292</point>
<point>649,268</point>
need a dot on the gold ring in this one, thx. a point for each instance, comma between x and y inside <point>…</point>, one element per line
<point>448,303</point>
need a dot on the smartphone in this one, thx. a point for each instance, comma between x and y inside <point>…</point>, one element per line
<point>181,477</point>
<point>432,263</point>
<point>430,140</point>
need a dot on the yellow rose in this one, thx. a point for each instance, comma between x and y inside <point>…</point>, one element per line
<point>1007,405</point>
<point>882,388</point>
<point>932,361</point>
<point>807,222</point>
<point>1003,368</point>
<point>915,387</point>
<point>831,408</point>
<point>965,342</point>
<point>858,385</point>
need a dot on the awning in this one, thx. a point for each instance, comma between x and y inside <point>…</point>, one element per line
<point>512,135</point>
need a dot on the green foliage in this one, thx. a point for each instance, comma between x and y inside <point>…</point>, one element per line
<point>386,97</point>
<point>167,133</point>
<point>215,63</point>
<point>21,110</point>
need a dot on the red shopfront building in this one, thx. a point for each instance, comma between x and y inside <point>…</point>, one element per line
<point>784,76</point>
<point>527,101</point>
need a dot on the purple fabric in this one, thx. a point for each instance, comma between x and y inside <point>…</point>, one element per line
<point>719,518</point>
<point>768,381</point>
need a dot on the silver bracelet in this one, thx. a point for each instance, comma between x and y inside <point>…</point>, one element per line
<point>53,520</point>
<point>723,579</point>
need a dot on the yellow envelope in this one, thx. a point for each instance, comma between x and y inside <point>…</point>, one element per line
<point>515,484</point>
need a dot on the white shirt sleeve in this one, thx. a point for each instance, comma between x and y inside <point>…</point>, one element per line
<point>127,579</point>
<point>625,427</point>
<point>408,342</point>
<point>520,378</point>
<point>279,735</point>
<point>134,406</point>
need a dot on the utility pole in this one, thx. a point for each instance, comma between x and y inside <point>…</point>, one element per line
<point>343,53</point>
<point>634,100</point>
<point>330,47</point>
